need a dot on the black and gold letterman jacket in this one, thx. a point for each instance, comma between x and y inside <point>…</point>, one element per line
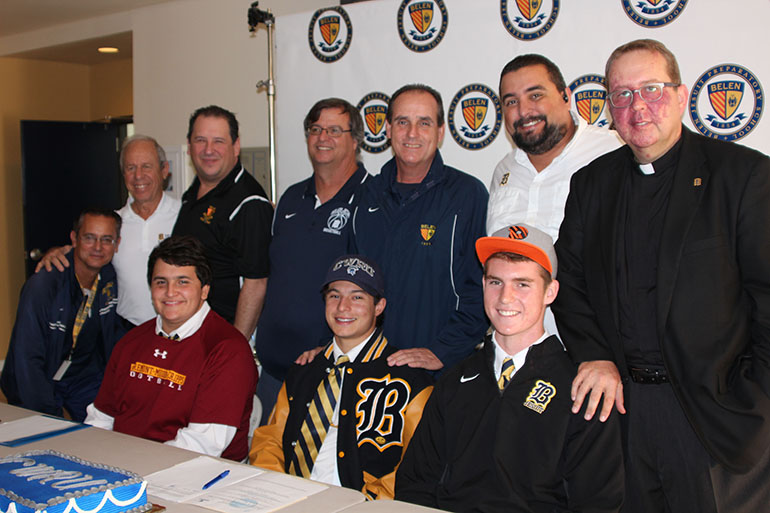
<point>380,407</point>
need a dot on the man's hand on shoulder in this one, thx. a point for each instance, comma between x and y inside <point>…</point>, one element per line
<point>55,257</point>
<point>597,378</point>
<point>308,356</point>
<point>418,357</point>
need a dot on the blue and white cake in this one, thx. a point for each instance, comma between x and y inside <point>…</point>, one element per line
<point>49,481</point>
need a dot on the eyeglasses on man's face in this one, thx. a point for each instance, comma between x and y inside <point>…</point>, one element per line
<point>333,131</point>
<point>89,239</point>
<point>649,93</point>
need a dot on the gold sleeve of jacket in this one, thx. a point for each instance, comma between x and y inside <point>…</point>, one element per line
<point>267,442</point>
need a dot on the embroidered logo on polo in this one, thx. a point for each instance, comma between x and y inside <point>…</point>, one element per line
<point>504,179</point>
<point>589,93</point>
<point>427,231</point>
<point>337,220</point>
<point>475,117</point>
<point>653,13</point>
<point>540,396</point>
<point>208,215</point>
<point>380,411</point>
<point>726,102</point>
<point>157,375</point>
<point>330,33</point>
<point>422,24</point>
<point>529,19</point>
<point>374,107</point>
<point>107,290</point>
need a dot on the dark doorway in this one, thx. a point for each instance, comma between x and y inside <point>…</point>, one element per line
<point>66,167</point>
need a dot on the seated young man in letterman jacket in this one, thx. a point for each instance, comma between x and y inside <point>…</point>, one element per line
<point>498,434</point>
<point>346,417</point>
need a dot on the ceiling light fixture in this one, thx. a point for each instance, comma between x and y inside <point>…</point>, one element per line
<point>108,49</point>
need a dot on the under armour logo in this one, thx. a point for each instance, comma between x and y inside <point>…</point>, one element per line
<point>160,353</point>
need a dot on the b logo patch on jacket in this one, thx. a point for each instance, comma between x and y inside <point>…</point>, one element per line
<point>380,411</point>
<point>540,395</point>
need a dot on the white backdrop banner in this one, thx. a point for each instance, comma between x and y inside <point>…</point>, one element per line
<point>364,52</point>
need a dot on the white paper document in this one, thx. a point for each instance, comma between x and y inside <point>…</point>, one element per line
<point>244,490</point>
<point>34,428</point>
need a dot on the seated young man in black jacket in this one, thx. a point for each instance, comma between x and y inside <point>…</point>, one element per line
<point>346,417</point>
<point>498,433</point>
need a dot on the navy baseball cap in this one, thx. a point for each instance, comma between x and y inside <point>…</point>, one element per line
<point>357,269</point>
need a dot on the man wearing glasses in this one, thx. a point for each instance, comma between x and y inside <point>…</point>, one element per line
<point>311,228</point>
<point>664,265</point>
<point>67,324</point>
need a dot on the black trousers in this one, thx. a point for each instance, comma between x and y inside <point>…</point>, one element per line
<point>669,471</point>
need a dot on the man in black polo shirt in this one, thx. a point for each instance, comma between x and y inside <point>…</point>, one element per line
<point>228,211</point>
<point>314,213</point>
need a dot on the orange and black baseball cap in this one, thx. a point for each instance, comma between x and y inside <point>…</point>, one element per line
<point>521,239</point>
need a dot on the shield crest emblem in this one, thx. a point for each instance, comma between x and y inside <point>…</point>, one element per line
<point>330,28</point>
<point>375,118</point>
<point>422,15</point>
<point>529,8</point>
<point>591,108</point>
<point>654,2</point>
<point>427,231</point>
<point>474,112</point>
<point>725,97</point>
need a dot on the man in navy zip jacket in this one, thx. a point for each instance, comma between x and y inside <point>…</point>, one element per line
<point>61,340</point>
<point>419,218</point>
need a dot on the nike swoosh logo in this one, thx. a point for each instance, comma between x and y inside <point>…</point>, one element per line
<point>375,209</point>
<point>463,379</point>
<point>289,216</point>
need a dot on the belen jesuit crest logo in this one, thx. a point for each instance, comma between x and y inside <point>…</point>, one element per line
<point>475,116</point>
<point>330,33</point>
<point>726,102</point>
<point>530,19</point>
<point>653,13</point>
<point>374,108</point>
<point>422,24</point>
<point>590,95</point>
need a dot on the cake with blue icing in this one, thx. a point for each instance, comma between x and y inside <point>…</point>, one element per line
<point>57,483</point>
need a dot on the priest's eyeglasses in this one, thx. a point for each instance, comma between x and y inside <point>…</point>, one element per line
<point>333,131</point>
<point>650,93</point>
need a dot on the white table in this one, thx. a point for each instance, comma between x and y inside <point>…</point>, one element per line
<point>145,457</point>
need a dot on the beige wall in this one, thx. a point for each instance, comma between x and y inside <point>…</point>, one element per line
<point>47,91</point>
<point>28,90</point>
<point>112,89</point>
<point>196,52</point>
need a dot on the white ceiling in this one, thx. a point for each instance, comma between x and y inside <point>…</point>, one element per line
<point>18,16</point>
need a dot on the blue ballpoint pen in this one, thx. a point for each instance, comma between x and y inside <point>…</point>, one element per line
<point>215,480</point>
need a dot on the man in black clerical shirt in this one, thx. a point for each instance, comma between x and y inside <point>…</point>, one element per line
<point>664,265</point>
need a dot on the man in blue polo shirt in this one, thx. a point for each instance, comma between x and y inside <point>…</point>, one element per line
<point>310,230</point>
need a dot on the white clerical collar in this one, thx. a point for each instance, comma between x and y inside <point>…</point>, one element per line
<point>189,327</point>
<point>353,353</point>
<point>647,169</point>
